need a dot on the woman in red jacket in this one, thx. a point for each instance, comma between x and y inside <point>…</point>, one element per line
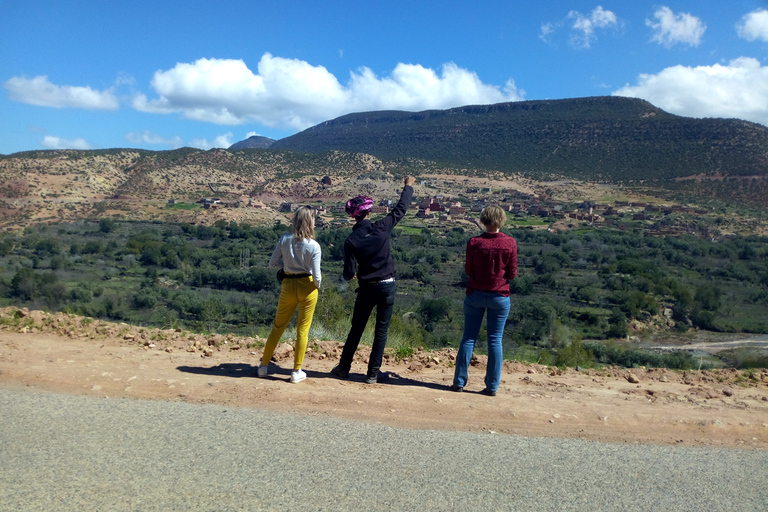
<point>491,263</point>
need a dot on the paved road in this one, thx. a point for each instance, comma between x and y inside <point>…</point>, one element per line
<point>63,453</point>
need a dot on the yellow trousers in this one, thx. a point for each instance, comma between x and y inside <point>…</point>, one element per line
<point>301,293</point>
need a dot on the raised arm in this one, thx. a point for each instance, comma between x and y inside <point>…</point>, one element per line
<point>398,212</point>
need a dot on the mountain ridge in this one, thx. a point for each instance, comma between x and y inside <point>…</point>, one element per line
<point>598,138</point>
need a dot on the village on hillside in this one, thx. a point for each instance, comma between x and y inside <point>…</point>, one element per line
<point>454,206</point>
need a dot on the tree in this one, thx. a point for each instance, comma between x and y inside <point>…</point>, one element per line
<point>433,310</point>
<point>617,324</point>
<point>522,285</point>
<point>23,284</point>
<point>708,295</point>
<point>106,225</point>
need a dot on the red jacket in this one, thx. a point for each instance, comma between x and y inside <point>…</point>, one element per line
<point>491,263</point>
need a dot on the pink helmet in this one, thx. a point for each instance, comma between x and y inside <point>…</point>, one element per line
<point>359,205</point>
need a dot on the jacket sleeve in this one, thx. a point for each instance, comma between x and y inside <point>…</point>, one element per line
<point>511,270</point>
<point>350,266</point>
<point>398,212</point>
<point>468,264</point>
<point>276,261</point>
<point>316,257</point>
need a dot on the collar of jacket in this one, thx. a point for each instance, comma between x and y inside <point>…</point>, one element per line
<point>364,222</point>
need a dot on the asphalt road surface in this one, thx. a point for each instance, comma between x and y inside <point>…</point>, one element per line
<point>65,453</point>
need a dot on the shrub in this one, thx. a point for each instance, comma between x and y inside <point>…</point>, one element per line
<point>522,285</point>
<point>631,358</point>
<point>574,354</point>
<point>106,225</point>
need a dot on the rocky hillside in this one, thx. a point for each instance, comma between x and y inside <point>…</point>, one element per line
<point>62,185</point>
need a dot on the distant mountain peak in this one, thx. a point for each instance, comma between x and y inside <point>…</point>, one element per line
<point>253,142</point>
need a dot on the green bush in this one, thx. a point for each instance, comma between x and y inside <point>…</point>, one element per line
<point>632,358</point>
<point>574,354</point>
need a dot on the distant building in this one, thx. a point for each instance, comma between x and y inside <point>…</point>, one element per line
<point>424,214</point>
<point>435,206</point>
<point>289,207</point>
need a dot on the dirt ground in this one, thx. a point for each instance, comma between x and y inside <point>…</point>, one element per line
<point>76,355</point>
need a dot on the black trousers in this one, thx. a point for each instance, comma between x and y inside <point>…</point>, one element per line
<point>380,295</point>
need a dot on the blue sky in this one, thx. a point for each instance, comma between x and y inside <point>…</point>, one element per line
<point>164,74</point>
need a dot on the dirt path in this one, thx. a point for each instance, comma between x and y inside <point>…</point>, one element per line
<point>64,354</point>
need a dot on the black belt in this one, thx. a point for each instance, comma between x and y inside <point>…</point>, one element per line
<point>296,276</point>
<point>281,274</point>
<point>376,281</point>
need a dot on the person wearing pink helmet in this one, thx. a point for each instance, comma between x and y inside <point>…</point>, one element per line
<point>367,258</point>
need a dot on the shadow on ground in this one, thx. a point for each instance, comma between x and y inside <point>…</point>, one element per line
<point>240,370</point>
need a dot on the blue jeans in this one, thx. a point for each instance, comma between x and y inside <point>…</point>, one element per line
<point>475,306</point>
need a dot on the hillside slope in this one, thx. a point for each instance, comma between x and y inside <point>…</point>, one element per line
<point>65,185</point>
<point>597,139</point>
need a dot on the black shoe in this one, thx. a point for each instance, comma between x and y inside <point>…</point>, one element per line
<point>456,388</point>
<point>338,372</point>
<point>377,379</point>
<point>488,392</point>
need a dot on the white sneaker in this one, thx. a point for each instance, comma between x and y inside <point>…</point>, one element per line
<point>298,376</point>
<point>262,371</point>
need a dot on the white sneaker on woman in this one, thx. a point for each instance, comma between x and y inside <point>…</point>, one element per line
<point>262,371</point>
<point>298,376</point>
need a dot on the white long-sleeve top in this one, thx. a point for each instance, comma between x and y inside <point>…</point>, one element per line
<point>297,257</point>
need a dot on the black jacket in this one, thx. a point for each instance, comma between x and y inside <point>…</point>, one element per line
<point>366,250</point>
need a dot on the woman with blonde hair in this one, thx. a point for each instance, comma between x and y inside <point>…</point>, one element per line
<point>298,256</point>
<point>491,262</point>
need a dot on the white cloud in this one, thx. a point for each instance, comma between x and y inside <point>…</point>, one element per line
<point>148,137</point>
<point>584,26</point>
<point>39,91</point>
<point>672,28</point>
<point>754,26</point>
<point>222,141</point>
<point>414,87</point>
<point>547,29</point>
<point>52,142</point>
<point>250,134</point>
<point>738,90</point>
<point>293,94</point>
